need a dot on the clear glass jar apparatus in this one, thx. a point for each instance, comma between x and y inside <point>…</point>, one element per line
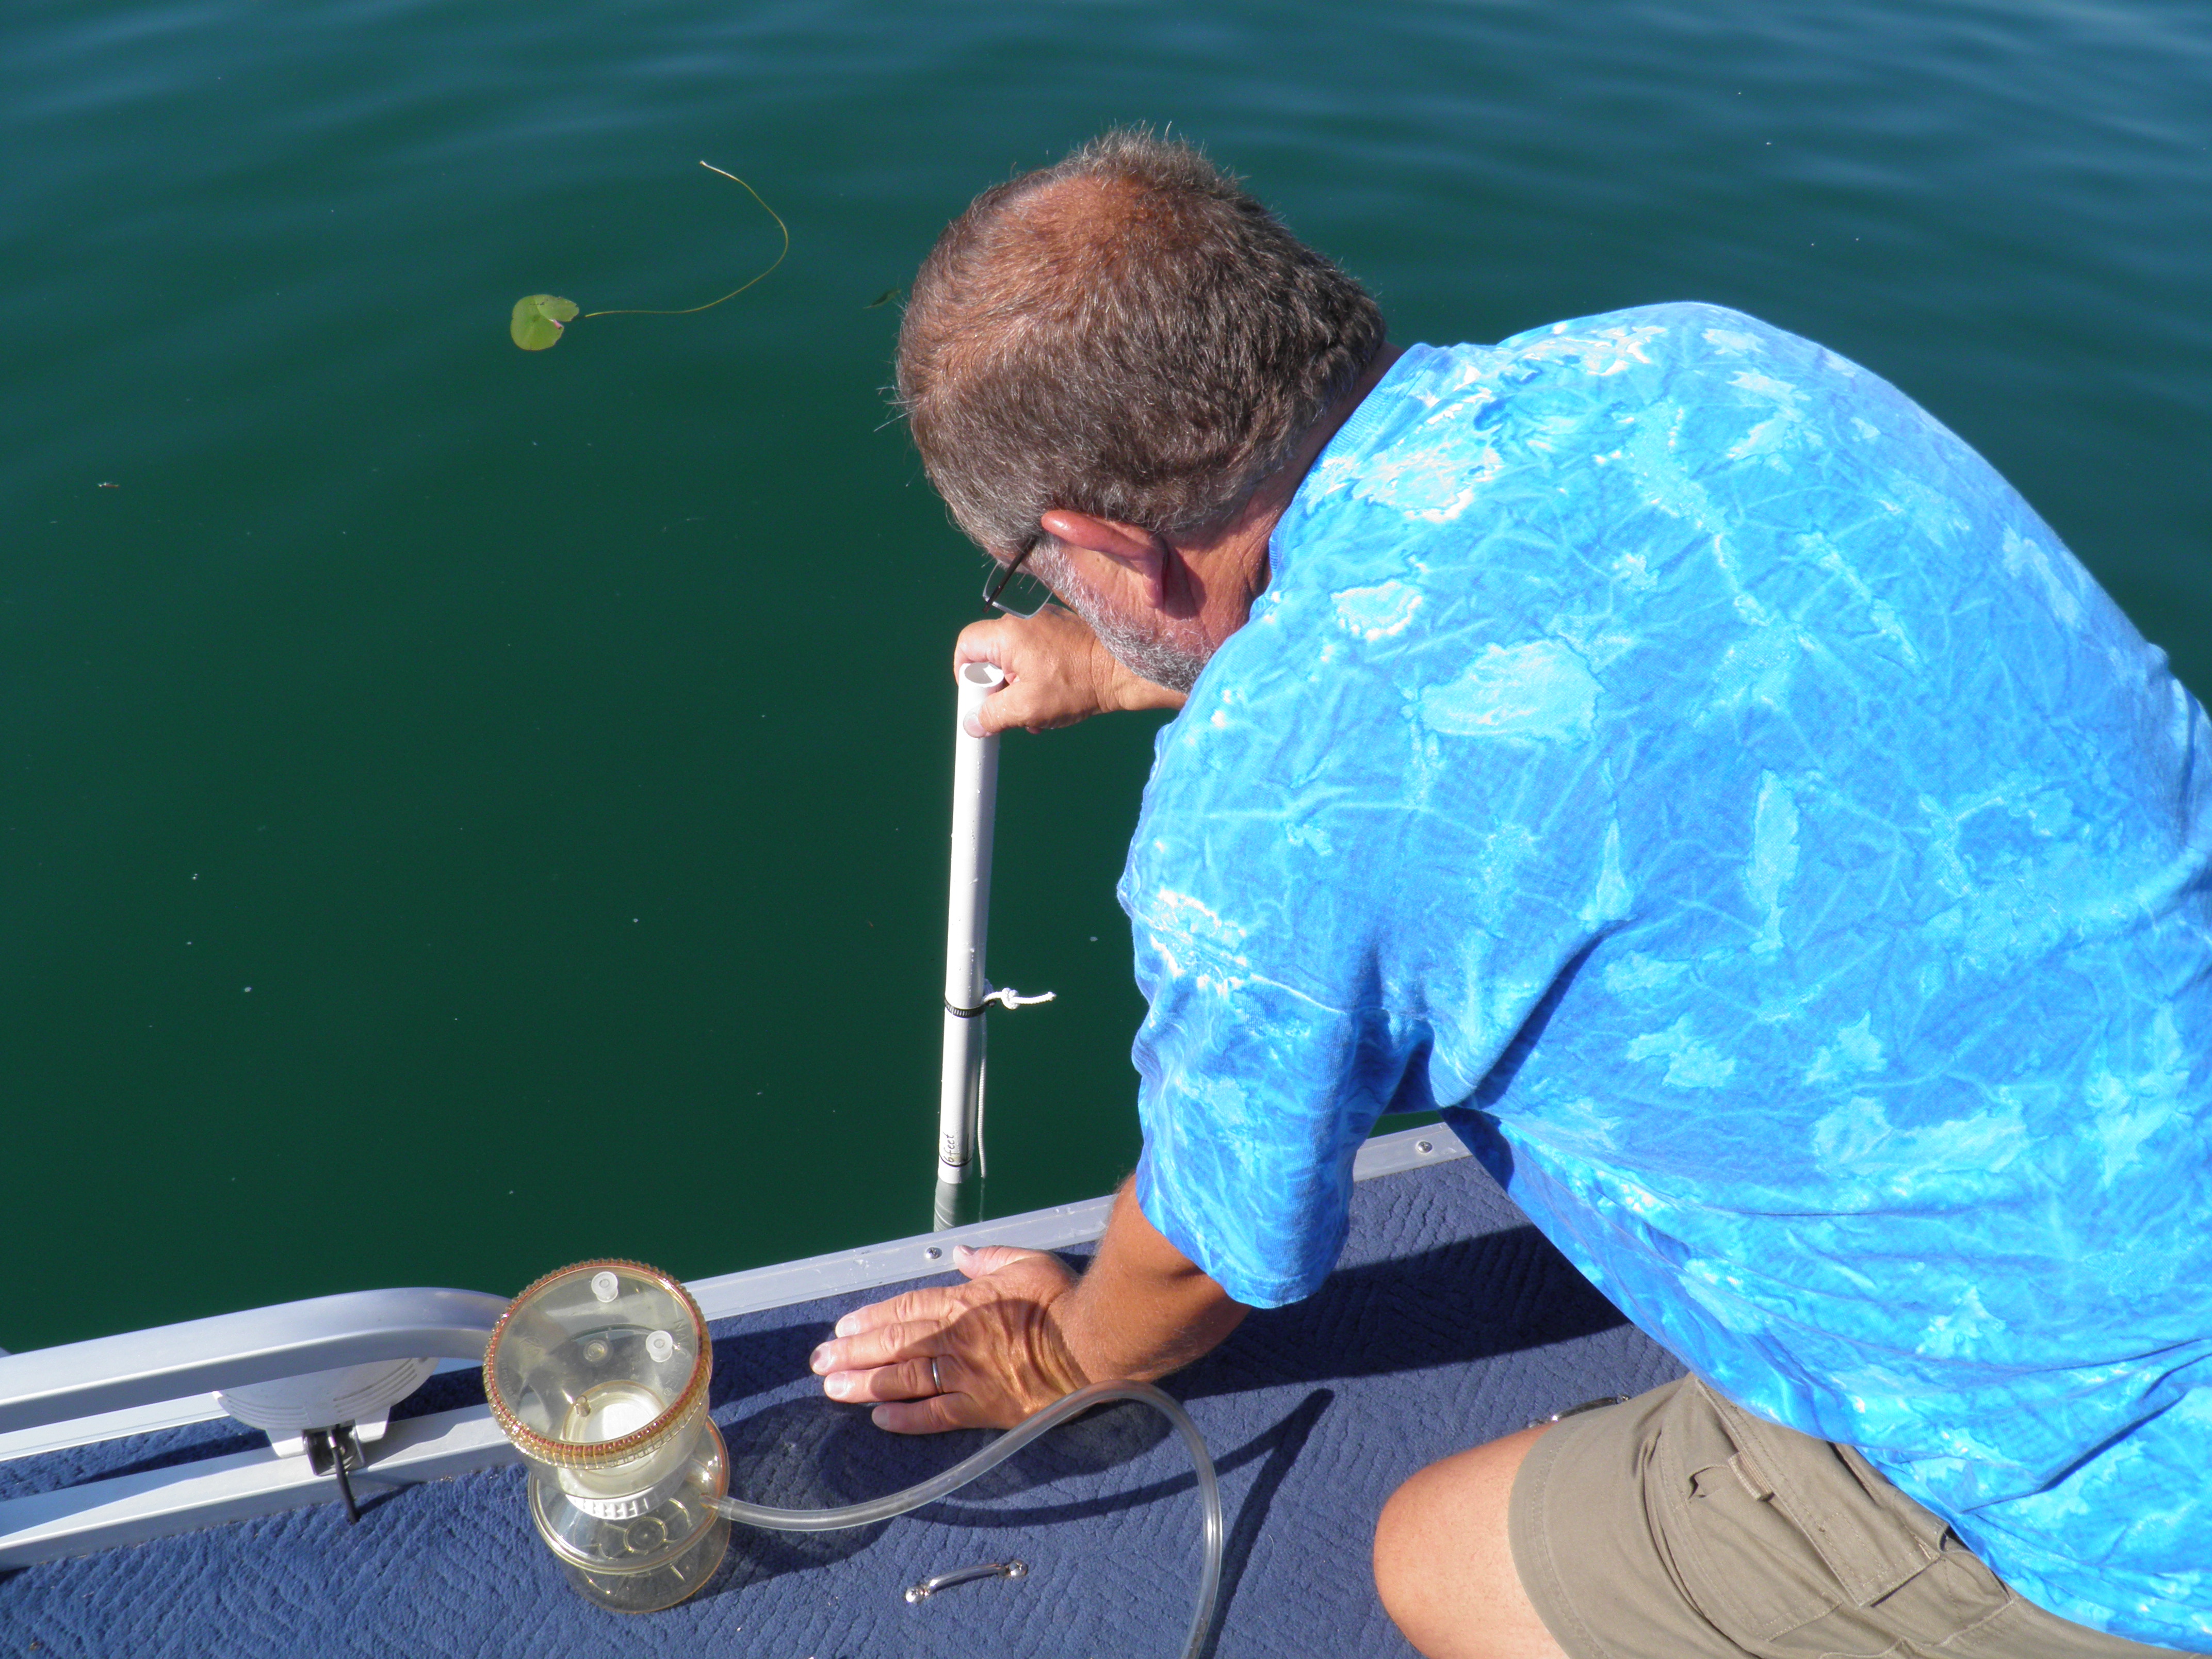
<point>598,1373</point>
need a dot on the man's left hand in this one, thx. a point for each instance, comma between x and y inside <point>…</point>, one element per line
<point>985,1354</point>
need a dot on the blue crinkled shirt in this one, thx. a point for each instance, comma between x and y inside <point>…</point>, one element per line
<point>1666,748</point>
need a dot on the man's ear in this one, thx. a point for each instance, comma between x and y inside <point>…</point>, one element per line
<point>1139,552</point>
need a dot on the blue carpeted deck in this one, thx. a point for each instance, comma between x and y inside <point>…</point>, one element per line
<point>1449,1322</point>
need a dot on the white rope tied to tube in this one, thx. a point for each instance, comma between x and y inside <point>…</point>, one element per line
<point>1006,998</point>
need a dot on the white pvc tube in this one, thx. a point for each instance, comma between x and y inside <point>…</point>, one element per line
<point>966,930</point>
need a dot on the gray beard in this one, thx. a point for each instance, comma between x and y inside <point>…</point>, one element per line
<point>1160,661</point>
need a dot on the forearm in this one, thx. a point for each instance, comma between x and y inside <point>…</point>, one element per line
<point>1143,1308</point>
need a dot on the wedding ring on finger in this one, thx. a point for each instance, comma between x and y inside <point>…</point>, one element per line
<point>935,1380</point>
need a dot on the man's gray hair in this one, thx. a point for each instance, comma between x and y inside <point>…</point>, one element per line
<point>1128,334</point>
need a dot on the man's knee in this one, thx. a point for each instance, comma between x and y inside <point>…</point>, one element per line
<point>1443,1563</point>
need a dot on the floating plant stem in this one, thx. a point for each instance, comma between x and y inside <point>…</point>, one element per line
<point>540,319</point>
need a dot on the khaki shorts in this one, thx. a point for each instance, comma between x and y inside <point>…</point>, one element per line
<point>1677,1526</point>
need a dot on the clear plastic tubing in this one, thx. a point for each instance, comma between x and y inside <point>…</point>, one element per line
<point>1041,1423</point>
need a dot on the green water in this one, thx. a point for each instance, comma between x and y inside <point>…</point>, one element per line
<point>463,811</point>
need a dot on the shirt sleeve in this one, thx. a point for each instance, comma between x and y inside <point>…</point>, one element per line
<point>1318,947</point>
<point>1255,1097</point>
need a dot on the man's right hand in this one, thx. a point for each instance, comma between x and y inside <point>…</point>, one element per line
<point>1057,672</point>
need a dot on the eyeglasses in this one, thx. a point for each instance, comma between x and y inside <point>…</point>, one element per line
<point>1014,590</point>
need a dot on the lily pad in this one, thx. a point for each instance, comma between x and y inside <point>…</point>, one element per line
<point>538,320</point>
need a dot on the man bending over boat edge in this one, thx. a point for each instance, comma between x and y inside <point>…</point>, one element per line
<point>1657,744</point>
